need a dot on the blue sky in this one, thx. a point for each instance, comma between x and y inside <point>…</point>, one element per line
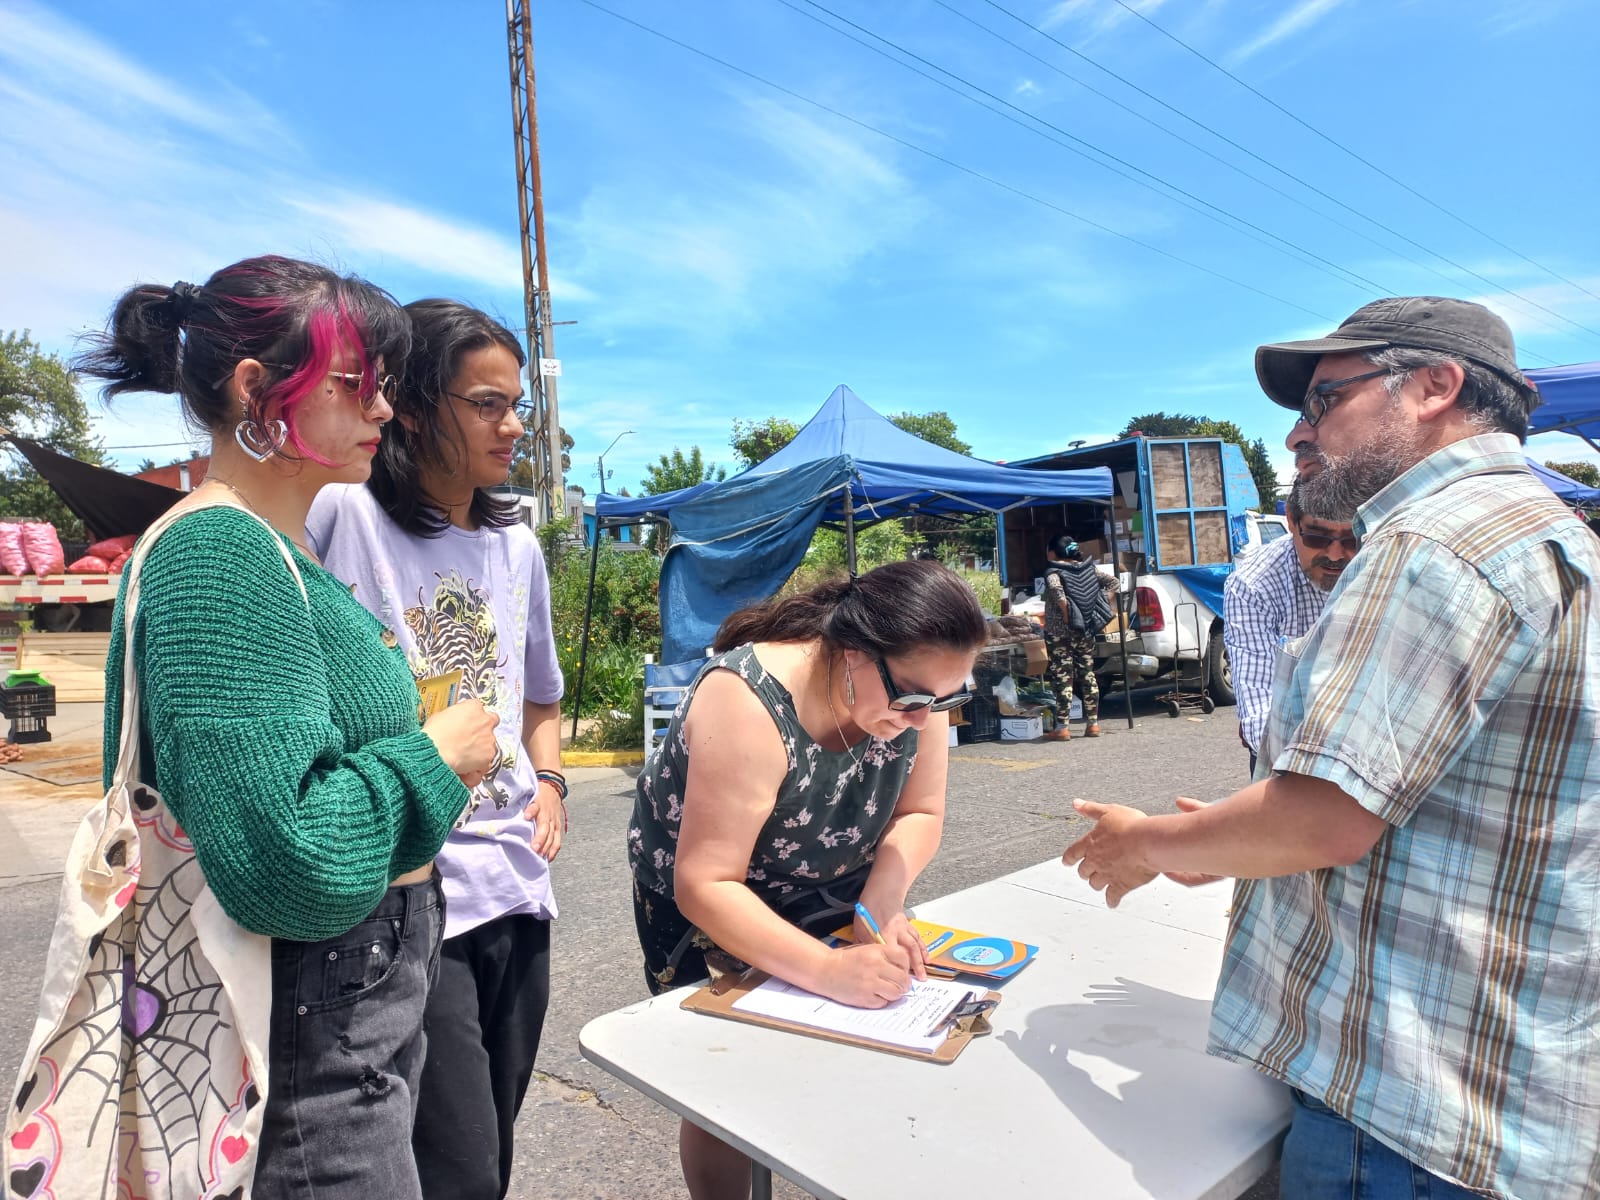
<point>732,250</point>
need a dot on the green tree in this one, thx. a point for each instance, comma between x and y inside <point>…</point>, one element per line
<point>39,400</point>
<point>756,441</point>
<point>935,427</point>
<point>1585,473</point>
<point>148,464</point>
<point>1160,424</point>
<point>679,470</point>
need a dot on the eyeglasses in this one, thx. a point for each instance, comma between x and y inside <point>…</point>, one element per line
<point>1320,396</point>
<point>917,701</point>
<point>1349,542</point>
<point>354,384</point>
<point>494,408</point>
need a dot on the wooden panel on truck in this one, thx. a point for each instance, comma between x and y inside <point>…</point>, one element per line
<point>1173,536</point>
<point>1168,475</point>
<point>1205,475</point>
<point>1211,536</point>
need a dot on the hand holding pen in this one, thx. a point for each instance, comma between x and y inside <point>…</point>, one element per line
<point>899,936</point>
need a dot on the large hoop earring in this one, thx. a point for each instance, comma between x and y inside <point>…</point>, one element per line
<point>260,440</point>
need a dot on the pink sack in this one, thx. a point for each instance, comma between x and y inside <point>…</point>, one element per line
<point>89,564</point>
<point>118,562</point>
<point>43,548</point>
<point>109,548</point>
<point>12,560</point>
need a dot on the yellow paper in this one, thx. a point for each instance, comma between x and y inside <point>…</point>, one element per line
<point>437,692</point>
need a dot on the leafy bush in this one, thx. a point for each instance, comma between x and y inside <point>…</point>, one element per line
<point>617,729</point>
<point>625,625</point>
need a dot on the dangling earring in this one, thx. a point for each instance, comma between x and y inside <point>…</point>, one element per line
<point>260,439</point>
<point>849,685</point>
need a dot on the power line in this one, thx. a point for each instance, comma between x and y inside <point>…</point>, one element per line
<point>1215,157</point>
<point>1268,163</point>
<point>951,163</point>
<point>1216,212</point>
<point>1457,217</point>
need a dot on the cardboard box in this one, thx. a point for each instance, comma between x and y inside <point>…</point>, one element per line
<point>1021,729</point>
<point>1038,656</point>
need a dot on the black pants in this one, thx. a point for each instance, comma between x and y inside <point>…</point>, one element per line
<point>347,1053</point>
<point>484,1017</point>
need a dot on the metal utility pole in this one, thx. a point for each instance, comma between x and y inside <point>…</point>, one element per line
<point>545,432</point>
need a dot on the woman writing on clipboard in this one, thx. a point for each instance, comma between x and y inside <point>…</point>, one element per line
<point>804,772</point>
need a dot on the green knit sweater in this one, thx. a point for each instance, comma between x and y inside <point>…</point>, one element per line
<point>284,739</point>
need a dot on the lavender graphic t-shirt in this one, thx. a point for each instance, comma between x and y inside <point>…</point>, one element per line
<point>477,600</point>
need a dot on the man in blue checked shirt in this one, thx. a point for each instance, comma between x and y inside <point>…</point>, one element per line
<point>1276,593</point>
<point>1415,942</point>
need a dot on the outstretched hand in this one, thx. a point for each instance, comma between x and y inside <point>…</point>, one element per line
<point>1108,856</point>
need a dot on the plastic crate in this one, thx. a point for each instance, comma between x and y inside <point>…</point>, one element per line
<point>27,705</point>
<point>983,721</point>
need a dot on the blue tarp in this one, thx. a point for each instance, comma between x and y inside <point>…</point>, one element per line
<point>1571,400</point>
<point>1564,486</point>
<point>735,542</point>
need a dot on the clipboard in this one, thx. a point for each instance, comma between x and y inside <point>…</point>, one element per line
<point>719,1003</point>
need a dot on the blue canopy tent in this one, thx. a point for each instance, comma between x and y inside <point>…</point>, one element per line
<point>1565,487</point>
<point>735,542</point>
<point>1571,397</point>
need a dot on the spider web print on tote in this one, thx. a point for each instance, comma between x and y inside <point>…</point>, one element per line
<point>150,1039</point>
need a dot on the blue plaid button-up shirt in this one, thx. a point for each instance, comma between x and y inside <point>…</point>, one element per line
<point>1267,597</point>
<point>1444,993</point>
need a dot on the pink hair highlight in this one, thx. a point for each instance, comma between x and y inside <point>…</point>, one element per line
<point>329,328</point>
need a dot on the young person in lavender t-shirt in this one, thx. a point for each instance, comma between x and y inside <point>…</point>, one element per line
<point>462,586</point>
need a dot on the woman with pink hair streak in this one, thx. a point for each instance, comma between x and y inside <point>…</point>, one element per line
<point>280,725</point>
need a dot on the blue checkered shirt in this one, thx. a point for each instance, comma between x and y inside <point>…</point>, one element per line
<point>1443,994</point>
<point>1267,597</point>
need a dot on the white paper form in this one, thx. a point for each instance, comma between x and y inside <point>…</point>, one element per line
<point>905,1022</point>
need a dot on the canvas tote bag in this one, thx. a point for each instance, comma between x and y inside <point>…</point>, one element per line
<point>147,1070</point>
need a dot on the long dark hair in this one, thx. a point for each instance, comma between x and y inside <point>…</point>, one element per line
<point>898,608</point>
<point>442,332</point>
<point>289,315</point>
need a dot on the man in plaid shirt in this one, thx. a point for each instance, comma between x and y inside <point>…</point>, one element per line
<point>1415,941</point>
<point>1277,592</point>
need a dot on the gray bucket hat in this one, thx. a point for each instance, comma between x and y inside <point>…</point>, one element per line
<point>1455,327</point>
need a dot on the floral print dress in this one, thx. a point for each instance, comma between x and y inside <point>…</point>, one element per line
<point>815,850</point>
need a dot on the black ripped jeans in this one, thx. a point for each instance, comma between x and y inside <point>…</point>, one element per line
<point>347,1052</point>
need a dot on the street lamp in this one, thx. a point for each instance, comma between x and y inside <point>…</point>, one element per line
<point>607,451</point>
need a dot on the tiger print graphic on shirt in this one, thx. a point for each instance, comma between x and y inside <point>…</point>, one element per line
<point>455,630</point>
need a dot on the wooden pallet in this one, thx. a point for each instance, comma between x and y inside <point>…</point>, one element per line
<point>74,662</point>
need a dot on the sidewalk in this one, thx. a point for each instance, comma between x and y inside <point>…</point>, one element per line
<point>43,797</point>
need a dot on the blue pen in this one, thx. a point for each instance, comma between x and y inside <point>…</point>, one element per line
<point>872,926</point>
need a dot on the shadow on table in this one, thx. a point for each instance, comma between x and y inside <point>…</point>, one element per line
<point>1115,1061</point>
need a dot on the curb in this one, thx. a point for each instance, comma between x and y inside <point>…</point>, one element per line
<point>602,758</point>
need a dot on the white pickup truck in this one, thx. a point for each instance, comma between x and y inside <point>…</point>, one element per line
<point>1185,510</point>
<point>1175,624</point>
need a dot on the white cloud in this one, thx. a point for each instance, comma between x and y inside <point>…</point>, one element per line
<point>71,60</point>
<point>1027,87</point>
<point>1301,17</point>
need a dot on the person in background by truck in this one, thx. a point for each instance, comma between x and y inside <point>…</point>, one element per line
<point>1277,593</point>
<point>1076,609</point>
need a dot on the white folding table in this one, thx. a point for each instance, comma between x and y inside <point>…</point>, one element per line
<point>1095,1081</point>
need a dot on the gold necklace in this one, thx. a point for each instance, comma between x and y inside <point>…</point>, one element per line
<point>832,713</point>
<point>245,500</point>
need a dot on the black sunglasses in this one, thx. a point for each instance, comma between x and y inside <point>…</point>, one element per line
<point>1349,542</point>
<point>916,701</point>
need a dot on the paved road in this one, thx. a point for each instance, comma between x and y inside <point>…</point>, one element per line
<point>581,1133</point>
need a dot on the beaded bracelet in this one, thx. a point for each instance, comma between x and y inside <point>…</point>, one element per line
<point>558,781</point>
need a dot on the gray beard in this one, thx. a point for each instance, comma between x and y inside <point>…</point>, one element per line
<point>1347,482</point>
